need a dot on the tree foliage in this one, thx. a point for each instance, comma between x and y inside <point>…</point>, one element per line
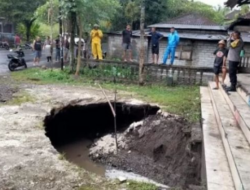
<point>163,10</point>
<point>92,11</point>
<point>21,11</point>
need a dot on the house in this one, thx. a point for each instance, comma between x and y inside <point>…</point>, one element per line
<point>231,16</point>
<point>5,26</point>
<point>199,37</point>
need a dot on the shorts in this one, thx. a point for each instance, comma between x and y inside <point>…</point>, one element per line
<point>155,49</point>
<point>217,70</point>
<point>126,46</point>
<point>38,54</point>
<point>65,51</point>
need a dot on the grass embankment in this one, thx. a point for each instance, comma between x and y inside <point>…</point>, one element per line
<point>181,100</point>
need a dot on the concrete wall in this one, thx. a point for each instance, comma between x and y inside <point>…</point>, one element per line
<point>115,49</point>
<point>202,54</point>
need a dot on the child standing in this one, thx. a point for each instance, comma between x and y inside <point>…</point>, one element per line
<point>220,63</point>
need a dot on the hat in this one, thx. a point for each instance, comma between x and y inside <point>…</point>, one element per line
<point>96,25</point>
<point>222,42</point>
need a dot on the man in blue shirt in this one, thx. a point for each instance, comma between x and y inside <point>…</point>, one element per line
<point>173,41</point>
<point>155,38</point>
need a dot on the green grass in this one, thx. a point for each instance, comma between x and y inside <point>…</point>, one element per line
<point>132,185</point>
<point>181,100</point>
<point>20,98</point>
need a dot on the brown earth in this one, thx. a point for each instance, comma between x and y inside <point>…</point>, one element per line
<point>161,149</point>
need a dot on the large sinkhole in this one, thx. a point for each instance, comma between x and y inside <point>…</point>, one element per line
<point>151,144</point>
<point>91,121</point>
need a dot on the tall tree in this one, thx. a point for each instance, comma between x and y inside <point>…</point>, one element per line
<point>89,12</point>
<point>21,11</point>
<point>142,48</point>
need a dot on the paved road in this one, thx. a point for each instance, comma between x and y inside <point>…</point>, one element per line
<point>29,55</point>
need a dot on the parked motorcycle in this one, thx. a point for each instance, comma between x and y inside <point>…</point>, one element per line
<point>17,61</point>
<point>4,45</point>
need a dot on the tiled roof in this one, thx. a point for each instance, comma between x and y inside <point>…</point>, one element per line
<point>232,15</point>
<point>191,19</point>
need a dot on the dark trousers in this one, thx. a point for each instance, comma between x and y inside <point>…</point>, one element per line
<point>58,51</point>
<point>233,73</point>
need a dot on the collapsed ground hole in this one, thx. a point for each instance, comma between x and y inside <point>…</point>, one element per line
<point>160,148</point>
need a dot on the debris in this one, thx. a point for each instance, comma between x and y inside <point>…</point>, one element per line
<point>122,179</point>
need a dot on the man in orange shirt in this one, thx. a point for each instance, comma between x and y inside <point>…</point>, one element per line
<point>96,37</point>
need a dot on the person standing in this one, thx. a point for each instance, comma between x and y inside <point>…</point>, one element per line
<point>173,42</point>
<point>17,40</point>
<point>47,49</point>
<point>155,38</point>
<point>126,43</point>
<point>57,44</point>
<point>220,62</point>
<point>235,46</point>
<point>37,48</point>
<point>66,48</point>
<point>96,37</point>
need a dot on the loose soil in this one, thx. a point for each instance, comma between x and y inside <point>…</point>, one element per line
<point>6,92</point>
<point>160,149</point>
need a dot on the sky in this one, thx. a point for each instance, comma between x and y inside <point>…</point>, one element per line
<point>213,2</point>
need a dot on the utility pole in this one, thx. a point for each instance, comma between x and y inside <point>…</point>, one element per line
<point>61,34</point>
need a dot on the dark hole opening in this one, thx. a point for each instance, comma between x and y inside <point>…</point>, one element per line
<point>91,121</point>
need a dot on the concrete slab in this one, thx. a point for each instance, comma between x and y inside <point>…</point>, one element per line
<point>244,88</point>
<point>218,174</point>
<point>234,141</point>
<point>241,111</point>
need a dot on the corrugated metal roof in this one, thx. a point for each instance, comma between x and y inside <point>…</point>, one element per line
<point>232,15</point>
<point>186,26</point>
<point>245,36</point>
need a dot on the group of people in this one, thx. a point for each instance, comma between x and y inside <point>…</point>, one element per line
<point>173,42</point>
<point>47,47</point>
<point>232,55</point>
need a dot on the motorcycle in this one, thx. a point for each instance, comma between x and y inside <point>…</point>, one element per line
<point>17,61</point>
<point>4,45</point>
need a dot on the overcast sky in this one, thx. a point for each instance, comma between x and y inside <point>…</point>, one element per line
<point>213,2</point>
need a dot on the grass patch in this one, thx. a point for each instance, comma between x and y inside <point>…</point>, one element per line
<point>133,185</point>
<point>87,188</point>
<point>180,100</point>
<point>20,98</point>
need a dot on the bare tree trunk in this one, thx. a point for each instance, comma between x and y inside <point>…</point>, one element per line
<point>50,21</point>
<point>72,39</point>
<point>79,46</point>
<point>142,48</point>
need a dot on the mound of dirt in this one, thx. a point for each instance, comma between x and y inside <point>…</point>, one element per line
<point>160,148</point>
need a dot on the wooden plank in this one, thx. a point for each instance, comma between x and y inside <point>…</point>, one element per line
<point>234,141</point>
<point>241,112</point>
<point>216,163</point>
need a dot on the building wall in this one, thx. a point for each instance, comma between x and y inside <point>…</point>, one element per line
<point>202,51</point>
<point>115,49</point>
